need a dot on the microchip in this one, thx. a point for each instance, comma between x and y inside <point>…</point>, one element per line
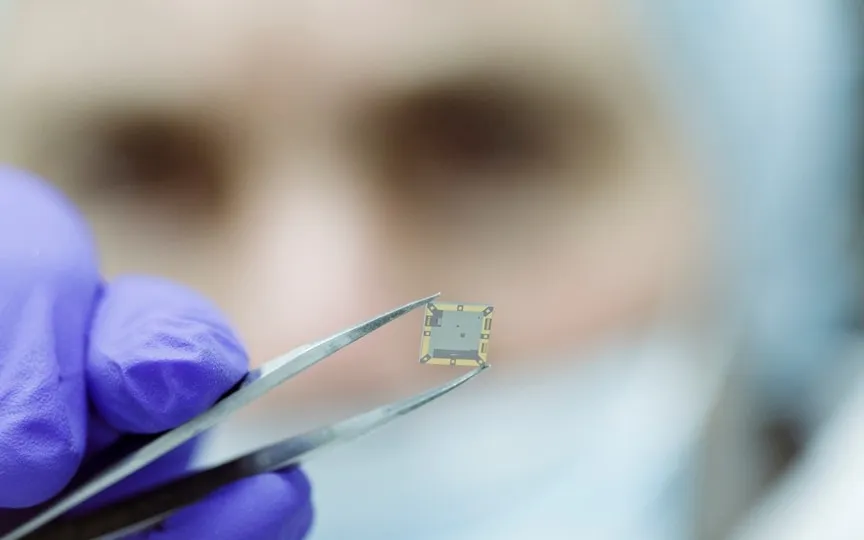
<point>456,334</point>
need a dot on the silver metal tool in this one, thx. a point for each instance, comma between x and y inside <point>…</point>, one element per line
<point>136,452</point>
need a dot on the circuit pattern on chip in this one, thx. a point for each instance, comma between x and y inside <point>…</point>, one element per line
<point>456,334</point>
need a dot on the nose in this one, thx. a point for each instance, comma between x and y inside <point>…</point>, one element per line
<point>306,249</point>
<point>310,260</point>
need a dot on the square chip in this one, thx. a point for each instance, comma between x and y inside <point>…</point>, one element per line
<point>455,334</point>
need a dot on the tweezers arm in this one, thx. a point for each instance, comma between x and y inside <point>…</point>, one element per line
<point>91,468</point>
<point>150,506</point>
<point>147,507</point>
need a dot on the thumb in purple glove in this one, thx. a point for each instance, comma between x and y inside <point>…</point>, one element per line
<point>149,355</point>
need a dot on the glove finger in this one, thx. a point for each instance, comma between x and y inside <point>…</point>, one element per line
<point>49,282</point>
<point>300,525</point>
<point>159,355</point>
<point>271,506</point>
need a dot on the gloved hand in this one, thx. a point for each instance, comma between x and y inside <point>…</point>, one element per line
<point>82,361</point>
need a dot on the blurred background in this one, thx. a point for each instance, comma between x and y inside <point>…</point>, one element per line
<point>661,200</point>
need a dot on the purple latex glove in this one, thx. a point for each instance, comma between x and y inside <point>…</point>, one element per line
<point>82,362</point>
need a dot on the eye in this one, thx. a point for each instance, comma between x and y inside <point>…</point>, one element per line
<point>469,132</point>
<point>157,160</point>
<point>473,134</point>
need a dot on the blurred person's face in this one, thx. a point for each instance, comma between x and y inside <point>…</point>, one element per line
<point>311,163</point>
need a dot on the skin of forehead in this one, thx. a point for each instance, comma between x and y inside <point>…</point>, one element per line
<point>180,54</point>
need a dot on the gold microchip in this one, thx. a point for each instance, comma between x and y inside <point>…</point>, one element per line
<point>456,334</point>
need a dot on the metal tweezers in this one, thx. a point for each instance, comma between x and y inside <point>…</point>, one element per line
<point>51,520</point>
